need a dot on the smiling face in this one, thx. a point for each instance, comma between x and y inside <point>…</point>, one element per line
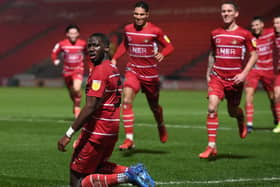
<point>140,16</point>
<point>257,27</point>
<point>229,13</point>
<point>96,49</point>
<point>73,34</point>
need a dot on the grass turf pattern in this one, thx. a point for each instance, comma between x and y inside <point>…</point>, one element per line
<point>33,119</point>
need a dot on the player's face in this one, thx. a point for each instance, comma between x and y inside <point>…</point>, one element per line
<point>229,14</point>
<point>95,49</point>
<point>140,16</point>
<point>276,24</point>
<point>257,27</point>
<point>73,34</point>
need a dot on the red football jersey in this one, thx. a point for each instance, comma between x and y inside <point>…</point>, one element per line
<point>104,82</point>
<point>277,43</point>
<point>141,46</point>
<point>265,44</point>
<point>229,48</point>
<point>73,55</point>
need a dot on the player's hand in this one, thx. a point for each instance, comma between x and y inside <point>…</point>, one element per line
<point>159,57</point>
<point>239,78</point>
<point>208,78</point>
<point>61,144</point>
<point>114,61</point>
<point>56,62</point>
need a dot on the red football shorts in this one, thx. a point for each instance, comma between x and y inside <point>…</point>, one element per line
<point>265,77</point>
<point>69,78</point>
<point>150,88</point>
<point>225,89</point>
<point>277,80</point>
<point>88,155</point>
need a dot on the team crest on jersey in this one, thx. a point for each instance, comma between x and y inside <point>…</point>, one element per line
<point>146,41</point>
<point>95,85</point>
<point>254,42</point>
<point>166,39</point>
<point>129,38</point>
<point>234,42</point>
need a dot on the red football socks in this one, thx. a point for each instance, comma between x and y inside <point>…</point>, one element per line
<point>249,113</point>
<point>212,126</point>
<point>100,180</point>
<point>128,118</point>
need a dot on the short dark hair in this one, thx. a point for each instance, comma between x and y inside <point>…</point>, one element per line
<point>143,5</point>
<point>277,16</point>
<point>255,18</point>
<point>104,39</point>
<point>72,26</point>
<point>233,3</point>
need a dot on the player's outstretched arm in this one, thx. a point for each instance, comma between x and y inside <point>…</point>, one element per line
<point>242,76</point>
<point>92,103</point>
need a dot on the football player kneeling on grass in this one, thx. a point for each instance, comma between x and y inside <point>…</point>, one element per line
<point>99,120</point>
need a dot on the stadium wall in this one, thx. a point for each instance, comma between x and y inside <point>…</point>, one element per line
<point>31,28</point>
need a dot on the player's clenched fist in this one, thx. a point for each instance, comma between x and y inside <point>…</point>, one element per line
<point>61,144</point>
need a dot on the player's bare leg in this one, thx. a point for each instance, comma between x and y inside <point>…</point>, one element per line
<point>277,108</point>
<point>212,123</point>
<point>77,94</point>
<point>249,107</point>
<point>157,110</point>
<point>128,118</point>
<point>236,112</point>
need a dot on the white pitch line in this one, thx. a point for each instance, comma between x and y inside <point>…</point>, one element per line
<point>176,126</point>
<point>265,179</point>
<point>240,180</point>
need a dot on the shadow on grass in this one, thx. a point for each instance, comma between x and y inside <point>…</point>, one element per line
<point>131,152</point>
<point>262,129</point>
<point>230,156</point>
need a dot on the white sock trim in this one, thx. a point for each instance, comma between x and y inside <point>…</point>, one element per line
<point>212,144</point>
<point>129,136</point>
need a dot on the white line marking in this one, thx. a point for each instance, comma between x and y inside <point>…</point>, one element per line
<point>240,180</point>
<point>175,126</point>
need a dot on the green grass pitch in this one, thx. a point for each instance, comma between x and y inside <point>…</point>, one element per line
<point>33,119</point>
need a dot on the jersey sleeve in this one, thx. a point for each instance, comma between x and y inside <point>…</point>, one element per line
<point>250,42</point>
<point>56,50</point>
<point>165,42</point>
<point>98,80</point>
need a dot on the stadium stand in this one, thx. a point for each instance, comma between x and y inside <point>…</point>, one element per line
<point>31,28</point>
